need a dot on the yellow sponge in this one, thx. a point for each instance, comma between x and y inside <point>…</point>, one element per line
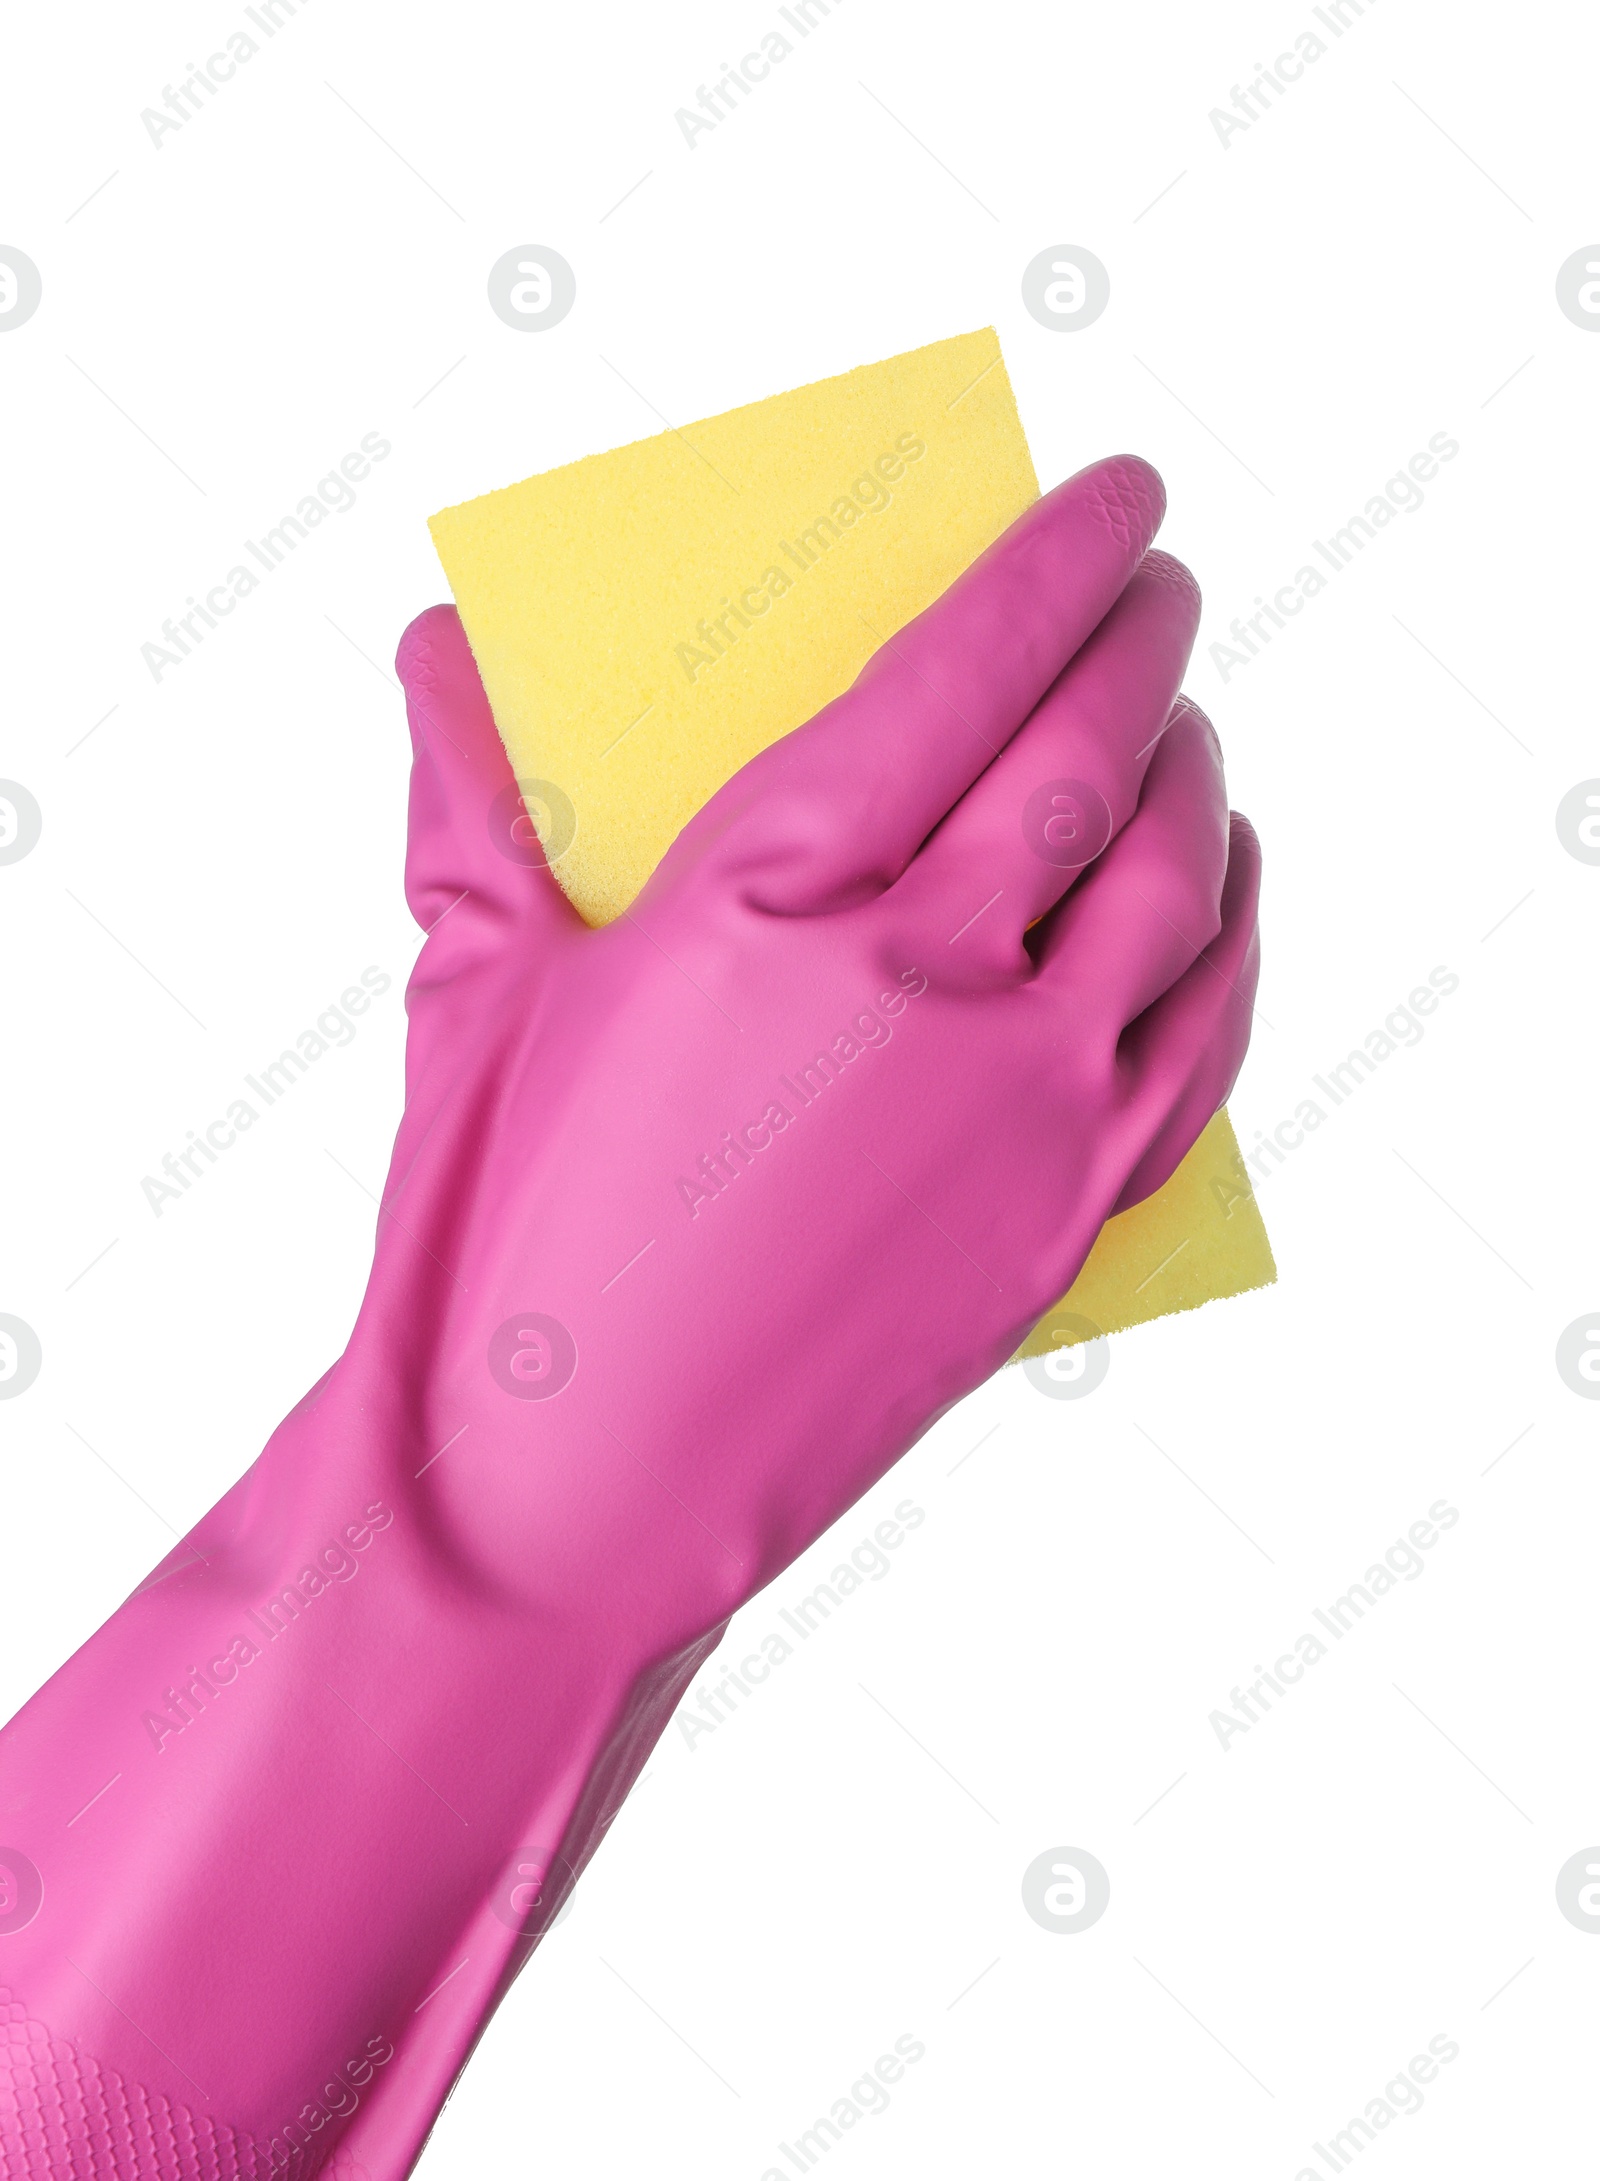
<point>646,620</point>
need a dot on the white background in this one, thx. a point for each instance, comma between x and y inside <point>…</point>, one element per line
<point>1292,316</point>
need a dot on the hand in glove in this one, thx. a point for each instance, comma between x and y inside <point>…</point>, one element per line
<point>925,993</point>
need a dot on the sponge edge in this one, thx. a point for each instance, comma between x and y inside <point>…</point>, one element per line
<point>648,619</point>
<point>1198,1239</point>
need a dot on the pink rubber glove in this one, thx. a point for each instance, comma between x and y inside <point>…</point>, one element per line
<point>634,1337</point>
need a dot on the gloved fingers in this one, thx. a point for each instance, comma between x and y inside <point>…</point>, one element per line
<point>1039,815</point>
<point>846,801</point>
<point>1187,1050</point>
<point>475,866</point>
<point>1152,902</point>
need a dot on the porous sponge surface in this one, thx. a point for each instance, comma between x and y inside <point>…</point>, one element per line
<point>1199,1238</point>
<point>647,619</point>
